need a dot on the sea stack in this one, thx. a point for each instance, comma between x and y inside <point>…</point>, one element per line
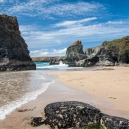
<point>14,53</point>
<point>75,52</point>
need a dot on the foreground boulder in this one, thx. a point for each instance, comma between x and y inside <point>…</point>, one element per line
<point>112,122</point>
<point>77,115</point>
<point>71,114</point>
<point>14,54</point>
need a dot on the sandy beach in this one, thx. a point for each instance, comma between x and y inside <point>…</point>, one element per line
<point>110,84</point>
<point>105,89</point>
<point>55,93</point>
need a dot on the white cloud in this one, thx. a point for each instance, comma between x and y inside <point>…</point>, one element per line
<point>47,8</point>
<point>46,52</point>
<point>75,22</point>
<point>88,33</point>
<point>2,1</point>
<point>115,22</point>
<point>25,28</point>
<point>9,1</point>
<point>60,51</point>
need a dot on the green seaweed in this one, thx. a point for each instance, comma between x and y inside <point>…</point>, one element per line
<point>3,16</point>
<point>95,127</point>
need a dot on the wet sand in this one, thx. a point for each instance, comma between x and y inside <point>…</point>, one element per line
<point>55,93</point>
<point>92,87</point>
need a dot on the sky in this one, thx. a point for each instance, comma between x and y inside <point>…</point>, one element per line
<point>49,27</point>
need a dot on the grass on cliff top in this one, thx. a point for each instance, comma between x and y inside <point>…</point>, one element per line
<point>95,127</point>
<point>121,46</point>
<point>3,16</point>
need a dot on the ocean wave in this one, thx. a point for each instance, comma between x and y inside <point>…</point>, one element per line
<point>8,108</point>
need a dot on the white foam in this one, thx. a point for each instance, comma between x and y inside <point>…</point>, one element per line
<point>61,66</point>
<point>7,109</point>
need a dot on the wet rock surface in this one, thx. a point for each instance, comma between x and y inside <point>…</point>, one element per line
<point>36,121</point>
<point>113,122</point>
<point>77,115</point>
<point>71,114</point>
<point>14,53</point>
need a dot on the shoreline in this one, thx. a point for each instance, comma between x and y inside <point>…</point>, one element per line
<point>56,92</point>
<point>13,104</point>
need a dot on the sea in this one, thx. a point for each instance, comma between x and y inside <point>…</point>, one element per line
<point>60,66</point>
<point>20,87</point>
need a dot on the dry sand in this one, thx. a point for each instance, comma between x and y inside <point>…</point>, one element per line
<point>110,84</point>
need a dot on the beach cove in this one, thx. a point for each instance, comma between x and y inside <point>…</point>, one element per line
<point>64,64</point>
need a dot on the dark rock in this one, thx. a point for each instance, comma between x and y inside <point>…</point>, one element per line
<point>80,63</point>
<point>112,122</point>
<point>71,114</point>
<point>75,52</point>
<point>36,121</point>
<point>25,110</point>
<point>52,60</point>
<point>110,53</point>
<point>14,54</point>
<point>99,56</point>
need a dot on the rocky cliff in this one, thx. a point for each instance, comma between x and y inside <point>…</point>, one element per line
<point>14,54</point>
<point>110,53</point>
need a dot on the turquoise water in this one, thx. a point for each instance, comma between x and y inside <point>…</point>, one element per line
<point>38,64</point>
<point>46,66</point>
<point>60,67</point>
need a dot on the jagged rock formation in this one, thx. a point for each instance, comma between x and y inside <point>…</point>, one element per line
<point>75,52</point>
<point>76,115</point>
<point>14,54</point>
<point>110,53</point>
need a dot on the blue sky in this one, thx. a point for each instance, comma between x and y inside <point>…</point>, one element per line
<point>50,26</point>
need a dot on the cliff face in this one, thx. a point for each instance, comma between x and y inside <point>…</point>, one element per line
<point>14,54</point>
<point>110,53</point>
